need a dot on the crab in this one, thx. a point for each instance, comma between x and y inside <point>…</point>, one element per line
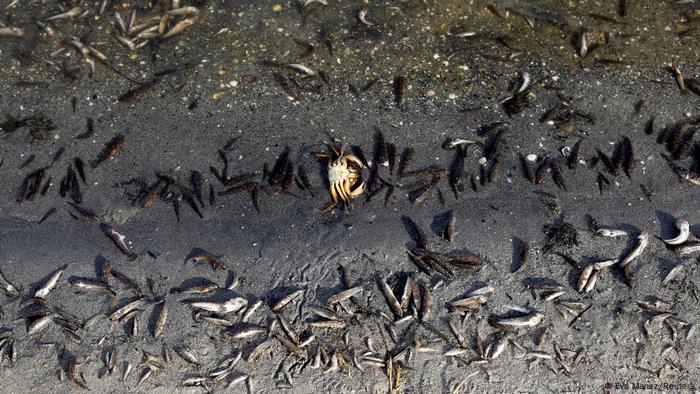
<point>344,177</point>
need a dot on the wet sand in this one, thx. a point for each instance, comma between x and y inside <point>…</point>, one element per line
<point>291,244</point>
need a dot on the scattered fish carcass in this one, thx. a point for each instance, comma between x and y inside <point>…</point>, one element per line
<point>410,301</point>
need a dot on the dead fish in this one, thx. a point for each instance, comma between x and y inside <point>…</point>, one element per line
<point>247,333</point>
<point>530,320</point>
<point>590,284</point>
<point>179,27</point>
<point>186,355</point>
<point>129,283</point>
<point>453,143</point>
<point>84,213</point>
<point>10,290</point>
<point>300,68</point>
<point>110,150</point>
<point>74,376</point>
<point>182,11</point>
<point>127,309</point>
<point>582,44</point>
<point>196,381</point>
<point>482,291</point>
<point>541,172</point>
<point>686,175</point>
<point>118,240</point>
<point>39,324</point>
<point>48,213</point>
<point>217,321</point>
<point>572,159</point>
<point>152,194</point>
<point>557,175</point>
<point>333,324</point>
<point>284,84</point>
<point>610,232</point>
<point>90,284</point>
<point>202,288</point>
<point>642,242</point>
<point>627,156</point>
<point>496,348</point>
<point>426,304</point>
<point>198,183</point>
<point>415,232</point>
<point>420,194</point>
<point>73,12</point>
<point>11,32</point>
<point>50,283</point>
<point>524,256</point>
<point>609,165</point>
<point>469,262</point>
<point>687,249</point>
<point>469,302</point>
<point>684,228</point>
<point>279,305</point>
<point>400,83</point>
<point>527,170</point>
<point>602,182</point>
<point>232,305</point>
<point>672,274</point>
<point>207,258</point>
<point>449,231</point>
<point>678,76</point>
<point>78,162</point>
<point>324,313</point>
<point>405,160</point>
<point>159,326</point>
<point>250,310</point>
<point>389,296</point>
<point>343,295</point>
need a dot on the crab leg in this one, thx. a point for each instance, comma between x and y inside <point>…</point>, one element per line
<point>347,192</point>
<point>334,193</point>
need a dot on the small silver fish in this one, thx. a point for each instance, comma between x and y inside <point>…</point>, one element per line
<point>118,240</point>
<point>10,289</point>
<point>302,69</point>
<point>11,32</point>
<point>50,283</point>
<point>286,300</point>
<point>232,305</point>
<point>179,27</point>
<point>343,295</point>
<point>127,309</point>
<point>73,12</point>
<point>248,332</point>
<point>610,232</point>
<point>39,324</point>
<point>642,242</point>
<point>159,326</point>
<point>335,324</point>
<point>90,284</point>
<point>251,309</point>
<point>453,143</point>
<point>530,320</point>
<point>684,228</point>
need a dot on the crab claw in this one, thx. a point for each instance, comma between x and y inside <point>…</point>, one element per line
<point>355,160</point>
<point>358,190</point>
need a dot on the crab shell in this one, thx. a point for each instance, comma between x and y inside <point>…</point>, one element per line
<point>343,176</point>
